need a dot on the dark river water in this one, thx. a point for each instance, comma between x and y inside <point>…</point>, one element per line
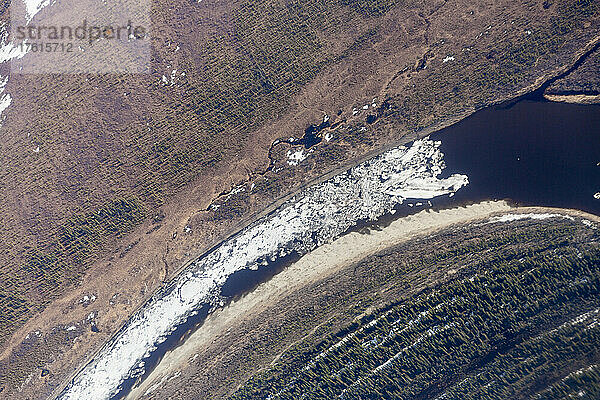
<point>531,153</point>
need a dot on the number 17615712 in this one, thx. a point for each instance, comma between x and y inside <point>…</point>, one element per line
<point>46,47</point>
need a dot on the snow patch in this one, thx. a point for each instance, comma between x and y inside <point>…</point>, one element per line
<point>8,51</point>
<point>589,223</point>
<point>516,217</point>
<point>172,79</point>
<point>296,156</point>
<point>32,7</point>
<point>5,98</point>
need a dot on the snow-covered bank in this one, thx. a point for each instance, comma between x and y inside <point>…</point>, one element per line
<point>315,216</point>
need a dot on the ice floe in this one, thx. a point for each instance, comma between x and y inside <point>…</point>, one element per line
<point>309,219</point>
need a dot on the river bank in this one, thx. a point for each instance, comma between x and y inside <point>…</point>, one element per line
<point>310,219</point>
<point>465,149</point>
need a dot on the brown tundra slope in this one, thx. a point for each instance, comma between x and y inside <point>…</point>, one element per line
<point>130,168</point>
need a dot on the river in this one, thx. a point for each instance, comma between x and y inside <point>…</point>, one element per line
<point>531,152</point>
